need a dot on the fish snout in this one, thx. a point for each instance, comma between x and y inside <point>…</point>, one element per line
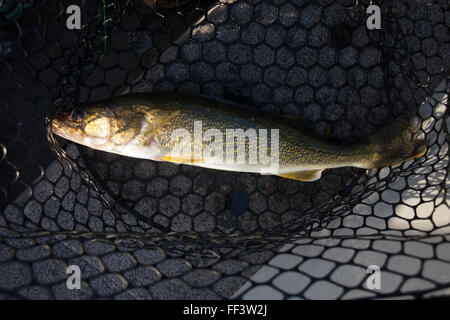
<point>57,123</point>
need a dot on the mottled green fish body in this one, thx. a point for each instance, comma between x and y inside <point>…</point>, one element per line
<point>215,134</point>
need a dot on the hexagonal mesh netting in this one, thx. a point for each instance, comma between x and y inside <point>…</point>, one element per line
<point>140,229</point>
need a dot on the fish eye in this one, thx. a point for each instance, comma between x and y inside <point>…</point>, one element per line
<point>77,115</point>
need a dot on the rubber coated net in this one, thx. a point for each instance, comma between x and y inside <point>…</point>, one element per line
<point>141,229</point>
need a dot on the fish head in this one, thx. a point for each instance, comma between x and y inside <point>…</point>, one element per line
<point>89,126</point>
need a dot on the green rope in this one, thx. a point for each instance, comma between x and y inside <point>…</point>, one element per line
<point>104,29</point>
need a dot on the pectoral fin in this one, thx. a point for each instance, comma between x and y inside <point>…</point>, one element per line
<point>307,175</point>
<point>181,160</point>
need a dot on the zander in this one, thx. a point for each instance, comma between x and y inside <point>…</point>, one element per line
<point>143,126</point>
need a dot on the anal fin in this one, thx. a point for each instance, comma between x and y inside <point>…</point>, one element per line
<point>306,175</point>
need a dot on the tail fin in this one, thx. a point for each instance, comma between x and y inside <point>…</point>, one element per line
<point>396,143</point>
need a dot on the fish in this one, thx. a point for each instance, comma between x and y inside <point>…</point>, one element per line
<point>218,134</point>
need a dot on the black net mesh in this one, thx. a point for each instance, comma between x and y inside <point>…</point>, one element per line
<point>140,229</point>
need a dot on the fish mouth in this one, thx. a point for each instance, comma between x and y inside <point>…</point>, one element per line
<point>57,120</point>
<point>57,127</point>
<point>65,129</point>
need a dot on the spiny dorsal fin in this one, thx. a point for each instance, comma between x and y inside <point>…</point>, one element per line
<point>306,175</point>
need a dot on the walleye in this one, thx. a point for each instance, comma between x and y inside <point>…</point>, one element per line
<point>158,126</point>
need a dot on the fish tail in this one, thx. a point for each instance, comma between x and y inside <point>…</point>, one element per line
<point>398,142</point>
